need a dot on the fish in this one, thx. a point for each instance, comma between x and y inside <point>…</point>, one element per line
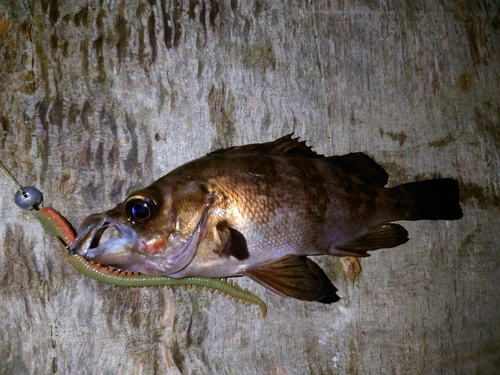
<point>261,211</point>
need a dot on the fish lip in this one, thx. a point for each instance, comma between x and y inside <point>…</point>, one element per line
<point>86,233</point>
<point>127,245</point>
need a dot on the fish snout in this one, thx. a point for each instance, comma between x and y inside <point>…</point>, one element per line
<point>87,233</point>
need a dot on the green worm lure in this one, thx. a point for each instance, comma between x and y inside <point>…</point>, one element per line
<point>55,223</point>
<point>31,198</point>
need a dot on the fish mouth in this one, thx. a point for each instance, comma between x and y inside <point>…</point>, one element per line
<point>127,251</point>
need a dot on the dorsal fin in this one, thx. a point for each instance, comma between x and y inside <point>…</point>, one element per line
<point>282,146</point>
<point>356,163</point>
<point>362,166</point>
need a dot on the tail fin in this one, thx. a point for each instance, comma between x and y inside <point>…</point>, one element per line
<point>433,199</point>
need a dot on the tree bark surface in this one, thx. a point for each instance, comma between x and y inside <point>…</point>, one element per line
<point>98,99</point>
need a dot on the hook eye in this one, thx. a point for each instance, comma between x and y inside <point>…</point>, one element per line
<point>140,206</point>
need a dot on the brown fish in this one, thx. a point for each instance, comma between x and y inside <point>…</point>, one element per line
<point>259,210</point>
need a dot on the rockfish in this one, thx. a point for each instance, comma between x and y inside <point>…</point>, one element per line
<point>260,210</point>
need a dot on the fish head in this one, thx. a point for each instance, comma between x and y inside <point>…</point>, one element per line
<point>157,229</point>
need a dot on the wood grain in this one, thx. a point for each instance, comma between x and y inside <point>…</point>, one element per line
<point>97,100</point>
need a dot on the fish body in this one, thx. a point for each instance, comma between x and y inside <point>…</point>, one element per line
<point>260,210</point>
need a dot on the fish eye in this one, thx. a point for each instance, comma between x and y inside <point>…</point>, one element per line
<point>140,207</point>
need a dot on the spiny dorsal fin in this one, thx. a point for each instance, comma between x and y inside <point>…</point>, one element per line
<point>283,146</point>
<point>362,166</point>
<point>356,163</point>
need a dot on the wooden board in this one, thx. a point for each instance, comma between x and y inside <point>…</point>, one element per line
<point>98,99</point>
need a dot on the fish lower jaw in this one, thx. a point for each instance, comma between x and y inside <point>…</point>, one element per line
<point>112,249</point>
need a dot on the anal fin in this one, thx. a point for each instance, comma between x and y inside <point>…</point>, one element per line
<point>297,277</point>
<point>381,236</point>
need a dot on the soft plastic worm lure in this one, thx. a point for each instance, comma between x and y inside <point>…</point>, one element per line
<point>55,223</point>
<point>31,198</point>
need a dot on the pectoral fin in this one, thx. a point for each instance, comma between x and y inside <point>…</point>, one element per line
<point>232,242</point>
<point>381,236</point>
<point>297,277</point>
